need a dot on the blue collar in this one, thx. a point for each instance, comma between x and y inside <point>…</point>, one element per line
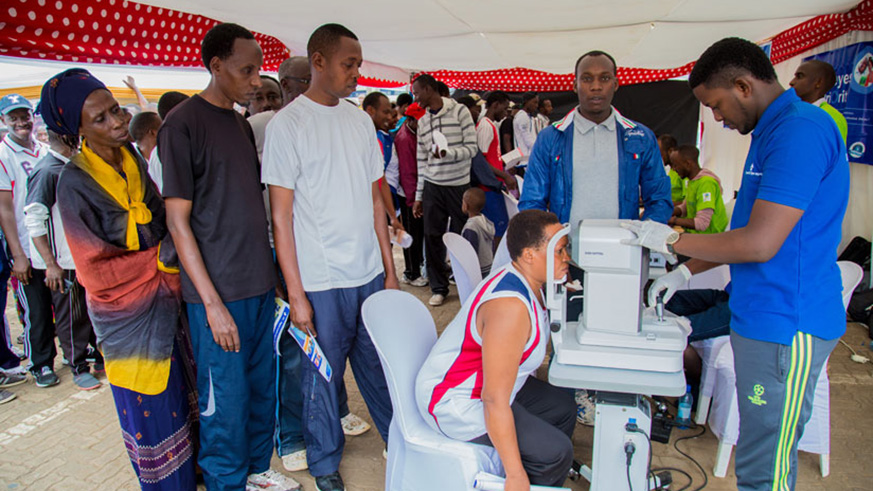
<point>771,114</point>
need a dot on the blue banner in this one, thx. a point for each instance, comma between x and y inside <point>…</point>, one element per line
<point>851,96</point>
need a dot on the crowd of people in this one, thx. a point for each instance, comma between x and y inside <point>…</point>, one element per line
<point>154,247</point>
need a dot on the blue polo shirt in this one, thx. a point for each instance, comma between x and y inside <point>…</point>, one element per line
<point>797,159</point>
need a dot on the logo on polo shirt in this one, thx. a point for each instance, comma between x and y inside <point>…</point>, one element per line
<point>707,196</point>
<point>756,399</point>
<point>753,172</point>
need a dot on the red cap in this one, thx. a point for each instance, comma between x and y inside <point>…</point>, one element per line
<point>415,111</point>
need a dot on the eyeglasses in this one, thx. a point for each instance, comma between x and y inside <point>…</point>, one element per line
<point>304,81</point>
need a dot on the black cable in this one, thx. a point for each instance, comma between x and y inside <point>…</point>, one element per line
<point>700,467</point>
<point>629,449</point>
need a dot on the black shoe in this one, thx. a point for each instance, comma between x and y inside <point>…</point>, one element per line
<point>45,377</point>
<point>330,482</point>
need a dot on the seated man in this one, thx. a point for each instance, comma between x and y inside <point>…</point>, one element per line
<point>476,384</point>
<point>703,210</point>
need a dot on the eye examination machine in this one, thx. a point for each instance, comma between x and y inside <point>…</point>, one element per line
<point>616,347</point>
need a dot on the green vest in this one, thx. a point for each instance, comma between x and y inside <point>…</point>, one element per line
<point>677,186</point>
<point>705,193</point>
<point>838,118</point>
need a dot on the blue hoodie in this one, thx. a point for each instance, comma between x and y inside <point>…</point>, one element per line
<point>548,180</point>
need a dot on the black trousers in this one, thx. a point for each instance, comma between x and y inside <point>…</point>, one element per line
<point>73,325</point>
<point>413,256</point>
<point>440,203</point>
<point>545,417</point>
<point>39,328</point>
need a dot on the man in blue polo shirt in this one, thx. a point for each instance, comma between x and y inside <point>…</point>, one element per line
<point>786,304</point>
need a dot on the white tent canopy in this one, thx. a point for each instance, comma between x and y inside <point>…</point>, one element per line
<point>490,34</point>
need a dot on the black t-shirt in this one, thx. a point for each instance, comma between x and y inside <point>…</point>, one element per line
<point>209,157</point>
<point>506,129</point>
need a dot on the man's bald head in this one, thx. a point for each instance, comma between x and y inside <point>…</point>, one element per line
<point>294,77</point>
<point>813,79</point>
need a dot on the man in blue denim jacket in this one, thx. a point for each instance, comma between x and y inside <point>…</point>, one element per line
<point>595,163</point>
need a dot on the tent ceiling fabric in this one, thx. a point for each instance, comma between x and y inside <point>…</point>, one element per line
<point>475,45</point>
<point>546,35</point>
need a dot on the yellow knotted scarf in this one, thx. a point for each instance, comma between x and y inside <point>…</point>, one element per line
<point>128,193</point>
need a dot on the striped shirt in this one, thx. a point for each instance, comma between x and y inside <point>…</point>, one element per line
<point>454,121</point>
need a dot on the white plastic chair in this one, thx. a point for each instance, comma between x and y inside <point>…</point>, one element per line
<point>465,264</point>
<point>511,205</point>
<point>419,459</point>
<point>724,417</point>
<point>708,349</point>
<point>501,255</point>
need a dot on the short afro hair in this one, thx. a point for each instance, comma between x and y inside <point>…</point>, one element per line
<point>326,38</point>
<point>404,99</point>
<point>496,97</point>
<point>527,96</point>
<point>824,70</point>
<point>443,89</point>
<point>668,141</point>
<point>688,152</point>
<point>219,41</point>
<point>168,101</point>
<point>372,99</point>
<point>142,123</point>
<point>467,101</point>
<point>528,229</point>
<point>271,79</point>
<point>595,53</point>
<point>425,80</point>
<point>726,60</point>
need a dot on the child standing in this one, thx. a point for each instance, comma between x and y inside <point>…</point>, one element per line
<point>478,230</point>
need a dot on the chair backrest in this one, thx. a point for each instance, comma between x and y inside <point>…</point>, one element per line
<point>403,333</point>
<point>851,275</point>
<point>465,264</point>
<point>511,205</point>
<point>501,255</point>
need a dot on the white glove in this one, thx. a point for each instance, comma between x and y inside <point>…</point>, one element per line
<point>668,284</point>
<point>653,236</point>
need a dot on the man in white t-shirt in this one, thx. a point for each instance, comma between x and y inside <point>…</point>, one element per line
<point>523,125</point>
<point>19,153</point>
<point>322,164</point>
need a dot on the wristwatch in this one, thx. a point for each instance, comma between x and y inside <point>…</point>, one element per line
<point>672,240</point>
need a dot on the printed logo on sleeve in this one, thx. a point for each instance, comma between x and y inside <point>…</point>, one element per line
<point>753,172</point>
<point>707,197</point>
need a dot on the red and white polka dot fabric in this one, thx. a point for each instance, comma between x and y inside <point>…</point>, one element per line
<point>820,30</point>
<point>111,31</point>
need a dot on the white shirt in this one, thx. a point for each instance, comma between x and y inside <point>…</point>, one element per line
<point>16,164</point>
<point>485,131</point>
<point>42,221</point>
<point>259,128</point>
<point>523,134</point>
<point>156,170</point>
<point>330,157</point>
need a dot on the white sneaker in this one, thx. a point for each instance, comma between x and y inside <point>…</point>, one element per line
<point>271,481</point>
<point>420,281</point>
<point>353,425</point>
<point>585,408</point>
<point>295,461</point>
<point>437,299</point>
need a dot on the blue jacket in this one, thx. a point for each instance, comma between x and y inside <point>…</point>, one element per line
<point>548,180</point>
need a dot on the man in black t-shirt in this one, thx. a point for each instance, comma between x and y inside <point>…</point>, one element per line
<point>215,213</point>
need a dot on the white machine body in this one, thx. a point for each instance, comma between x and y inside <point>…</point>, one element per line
<point>615,332</point>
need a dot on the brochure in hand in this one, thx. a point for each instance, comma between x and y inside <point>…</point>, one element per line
<point>306,342</point>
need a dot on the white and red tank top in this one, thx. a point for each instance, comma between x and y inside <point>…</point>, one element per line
<point>449,386</point>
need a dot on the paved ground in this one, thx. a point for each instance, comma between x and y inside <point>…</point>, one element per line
<point>61,438</point>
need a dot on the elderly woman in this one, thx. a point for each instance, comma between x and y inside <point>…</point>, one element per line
<point>476,384</point>
<point>115,225</point>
